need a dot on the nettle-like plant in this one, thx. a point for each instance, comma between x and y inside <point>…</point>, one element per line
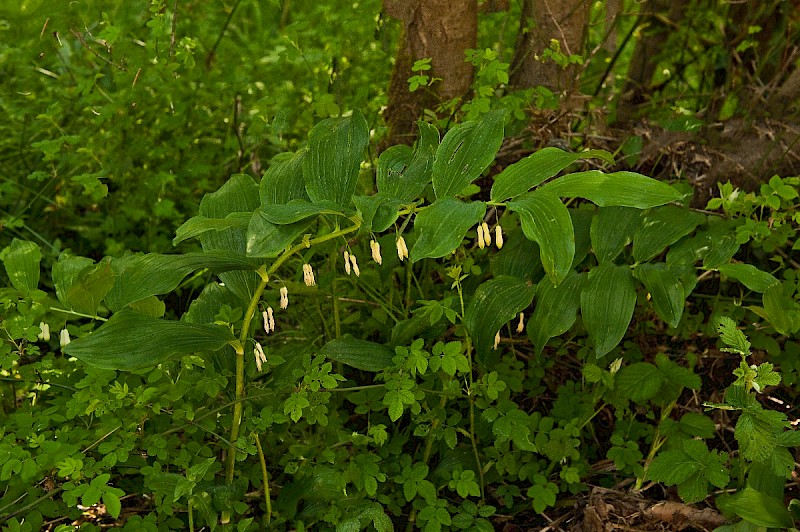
<point>300,328</point>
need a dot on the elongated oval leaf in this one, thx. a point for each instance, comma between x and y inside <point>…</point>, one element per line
<point>197,225</point>
<point>780,310</point>
<point>283,181</point>
<point>239,194</point>
<point>607,304</point>
<point>465,152</point>
<point>441,227</point>
<point>141,276</point>
<point>758,508</point>
<point>750,276</point>
<point>335,151</point>
<point>296,210</point>
<point>622,189</point>
<point>546,221</point>
<point>80,284</point>
<point>267,240</point>
<point>523,175</point>
<point>359,354</point>
<point>495,302</point>
<point>556,309</point>
<point>665,290</point>
<point>130,341</point>
<point>613,229</point>
<point>21,259</point>
<point>662,227</point>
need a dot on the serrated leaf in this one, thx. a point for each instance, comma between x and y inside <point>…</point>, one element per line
<point>130,341</point>
<point>465,152</point>
<point>112,504</point>
<point>441,227</point>
<point>21,259</point>
<point>612,229</point>
<point>607,303</point>
<point>622,189</point>
<point>239,194</point>
<point>141,276</point>
<point>495,302</point>
<point>665,290</point>
<point>662,227</point>
<point>359,354</point>
<point>335,151</point>
<point>546,221</point>
<point>197,225</point>
<point>283,181</point>
<point>556,309</point>
<point>750,276</point>
<point>639,382</point>
<point>523,175</point>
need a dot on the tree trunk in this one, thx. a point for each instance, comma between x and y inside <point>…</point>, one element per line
<point>564,21</point>
<point>438,29</point>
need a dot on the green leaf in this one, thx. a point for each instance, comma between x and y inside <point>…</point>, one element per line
<point>612,229</point>
<point>750,276</point>
<point>691,467</point>
<point>442,226</point>
<point>495,302</point>
<point>335,151</point>
<point>465,152</point>
<point>607,303</point>
<point>296,210</point>
<point>758,509</point>
<point>141,276</point>
<point>377,212</point>
<point>359,354</point>
<point>556,309</point>
<point>662,227</point>
<point>21,259</point>
<point>546,221</point>
<point>403,175</point>
<point>523,175</point>
<point>639,382</point>
<point>197,225</point>
<point>130,341</point>
<point>664,288</point>
<point>283,181</point>
<point>622,189</point>
<point>779,309</point>
<point>732,337</point>
<point>239,194</point>
<point>80,284</point>
<point>268,240</point>
<point>112,504</point>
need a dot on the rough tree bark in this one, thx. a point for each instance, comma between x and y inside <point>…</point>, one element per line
<point>440,30</point>
<point>541,22</point>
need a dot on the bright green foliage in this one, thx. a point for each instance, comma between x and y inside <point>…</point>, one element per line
<point>692,468</point>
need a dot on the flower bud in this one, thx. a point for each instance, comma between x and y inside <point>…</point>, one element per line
<point>498,236</point>
<point>402,249</point>
<point>481,241</point>
<point>63,338</point>
<point>487,236</point>
<point>45,334</point>
<point>376,251</point>
<point>260,356</point>
<point>308,275</point>
<point>347,262</point>
<point>496,340</point>
<point>355,266</point>
<point>521,324</point>
<point>284,298</point>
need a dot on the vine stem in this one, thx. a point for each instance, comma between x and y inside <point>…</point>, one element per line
<point>238,346</point>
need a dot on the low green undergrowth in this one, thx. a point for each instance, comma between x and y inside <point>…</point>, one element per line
<point>347,347</point>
